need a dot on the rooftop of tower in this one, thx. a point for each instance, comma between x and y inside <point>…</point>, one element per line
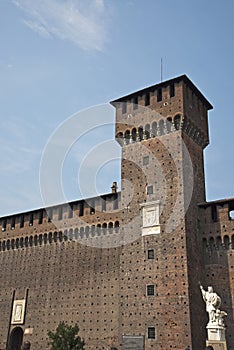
<point>165,83</point>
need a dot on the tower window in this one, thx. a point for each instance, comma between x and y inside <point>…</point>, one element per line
<point>22,221</point>
<point>124,107</point>
<point>147,99</point>
<point>151,333</point>
<point>159,94</point>
<point>150,253</point>
<point>150,189</point>
<point>172,90</point>
<point>135,102</point>
<point>81,211</point>
<point>31,219</point>
<point>146,160</point>
<point>150,290</point>
<point>40,217</point>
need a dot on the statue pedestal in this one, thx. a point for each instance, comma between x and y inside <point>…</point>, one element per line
<point>216,336</point>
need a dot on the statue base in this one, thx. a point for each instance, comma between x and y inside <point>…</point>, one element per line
<point>216,336</point>
<point>217,344</point>
<point>216,332</point>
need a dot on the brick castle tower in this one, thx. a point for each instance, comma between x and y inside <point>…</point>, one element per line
<point>127,265</point>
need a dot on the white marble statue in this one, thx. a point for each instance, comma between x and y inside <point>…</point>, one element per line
<point>213,302</point>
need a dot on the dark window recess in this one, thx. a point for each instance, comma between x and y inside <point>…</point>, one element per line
<point>60,213</point>
<point>150,289</point>
<point>115,206</point>
<point>124,107</point>
<point>70,211</point>
<point>172,90</point>
<point>13,223</point>
<point>103,199</point>
<point>22,221</point>
<point>159,94</point>
<point>135,102</point>
<point>150,253</point>
<point>151,332</point>
<point>146,160</point>
<point>81,211</point>
<point>150,189</point>
<point>31,220</point>
<point>147,99</point>
<point>214,215</point>
<point>40,217</point>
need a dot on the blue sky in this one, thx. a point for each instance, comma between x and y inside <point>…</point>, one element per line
<point>59,57</point>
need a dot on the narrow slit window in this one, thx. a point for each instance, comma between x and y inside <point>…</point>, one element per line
<point>159,94</point>
<point>147,99</point>
<point>172,90</point>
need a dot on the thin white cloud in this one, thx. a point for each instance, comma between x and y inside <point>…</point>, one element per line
<point>81,22</point>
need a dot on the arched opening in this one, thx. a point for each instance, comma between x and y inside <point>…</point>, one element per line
<point>154,129</point>
<point>147,131</point>
<point>161,127</point>
<point>226,242</point>
<point>169,124</point>
<point>140,133</point>
<point>127,136</point>
<point>16,339</point>
<point>134,134</point>
<point>177,122</point>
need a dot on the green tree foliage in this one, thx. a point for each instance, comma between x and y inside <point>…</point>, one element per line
<point>65,338</point>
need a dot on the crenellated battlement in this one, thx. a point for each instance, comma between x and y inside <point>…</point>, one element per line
<point>217,229</point>
<point>93,211</point>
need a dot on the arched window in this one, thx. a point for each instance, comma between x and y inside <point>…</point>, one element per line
<point>17,243</point>
<point>226,242</point>
<point>70,234</point>
<point>40,239</point>
<point>93,230</point>
<point>177,122</point>
<point>110,227</point>
<point>161,127</point>
<point>81,232</point>
<point>169,124</point>
<point>60,236</point>
<point>232,241</point>
<point>127,137</point>
<point>116,226</point>
<point>31,241</point>
<point>104,226</point>
<point>119,138</point>
<point>35,240</point>
<point>140,133</point>
<point>87,231</point>
<point>21,242</point>
<point>98,229</point>
<point>218,242</point>
<point>134,135</point>
<point>154,129</point>
<point>147,131</point>
<point>76,233</point>
<point>12,244</point>
<point>212,244</point>
<point>26,242</point>
<point>45,238</point>
<point>50,237</point>
<point>55,236</point>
